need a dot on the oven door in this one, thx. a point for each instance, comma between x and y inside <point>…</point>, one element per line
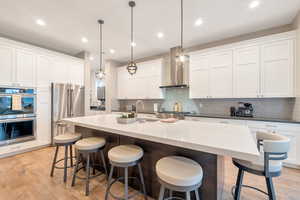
<point>17,130</point>
<point>27,107</point>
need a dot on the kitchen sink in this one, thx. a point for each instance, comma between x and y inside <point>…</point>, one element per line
<point>179,116</point>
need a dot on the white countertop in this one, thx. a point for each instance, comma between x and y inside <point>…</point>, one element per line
<point>221,139</point>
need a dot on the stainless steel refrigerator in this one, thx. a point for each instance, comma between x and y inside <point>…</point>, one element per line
<point>67,101</point>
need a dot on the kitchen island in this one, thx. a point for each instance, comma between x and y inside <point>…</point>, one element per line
<point>206,143</point>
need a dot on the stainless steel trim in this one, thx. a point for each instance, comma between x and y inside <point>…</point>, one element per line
<point>175,74</point>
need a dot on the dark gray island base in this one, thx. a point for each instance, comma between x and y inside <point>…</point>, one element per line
<point>213,165</point>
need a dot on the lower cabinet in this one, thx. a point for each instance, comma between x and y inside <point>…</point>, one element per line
<point>289,130</point>
<point>43,125</point>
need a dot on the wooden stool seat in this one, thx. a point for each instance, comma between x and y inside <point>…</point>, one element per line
<point>179,171</point>
<point>125,153</point>
<point>66,138</point>
<point>179,174</point>
<point>90,143</point>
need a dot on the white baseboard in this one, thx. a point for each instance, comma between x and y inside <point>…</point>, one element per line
<point>14,149</point>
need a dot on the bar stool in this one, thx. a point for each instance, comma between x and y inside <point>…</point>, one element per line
<point>88,147</point>
<point>179,174</point>
<point>269,165</point>
<point>66,140</point>
<point>125,156</point>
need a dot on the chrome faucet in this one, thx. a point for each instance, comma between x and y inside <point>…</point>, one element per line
<point>136,106</point>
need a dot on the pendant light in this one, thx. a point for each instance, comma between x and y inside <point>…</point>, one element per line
<point>100,74</point>
<point>131,67</point>
<point>181,57</point>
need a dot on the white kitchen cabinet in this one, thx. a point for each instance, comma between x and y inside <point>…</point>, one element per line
<point>246,72</point>
<point>290,130</point>
<point>199,76</point>
<point>277,64</point>
<point>25,68</point>
<point>259,68</point>
<point>43,70</point>
<point>60,71</point>
<point>76,72</point>
<point>6,65</point>
<point>221,75</point>
<point>43,114</point>
<point>142,85</point>
<point>211,75</point>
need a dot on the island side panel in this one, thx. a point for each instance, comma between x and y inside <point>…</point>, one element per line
<point>212,164</point>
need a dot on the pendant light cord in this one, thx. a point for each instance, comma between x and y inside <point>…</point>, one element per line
<point>131,33</point>
<point>101,46</point>
<point>181,25</point>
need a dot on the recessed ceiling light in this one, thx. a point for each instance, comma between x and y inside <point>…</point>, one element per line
<point>40,22</point>
<point>112,51</point>
<point>199,22</point>
<point>91,58</point>
<point>254,4</point>
<point>160,35</point>
<point>133,44</point>
<point>84,40</point>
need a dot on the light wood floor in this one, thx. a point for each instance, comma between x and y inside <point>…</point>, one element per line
<point>26,177</point>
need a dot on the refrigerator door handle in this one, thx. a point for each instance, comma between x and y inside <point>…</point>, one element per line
<point>68,102</point>
<point>71,102</point>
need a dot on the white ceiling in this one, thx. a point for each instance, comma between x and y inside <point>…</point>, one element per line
<point>69,20</point>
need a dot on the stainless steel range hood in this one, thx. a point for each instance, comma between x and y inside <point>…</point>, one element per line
<point>175,74</point>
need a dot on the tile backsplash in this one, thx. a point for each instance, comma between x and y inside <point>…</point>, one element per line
<point>280,108</point>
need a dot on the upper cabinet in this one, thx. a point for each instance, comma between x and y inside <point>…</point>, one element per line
<point>277,69</point>
<point>76,72</point>
<point>28,66</point>
<point>221,75</point>
<point>142,85</point>
<point>25,68</point>
<point>6,65</point>
<point>246,72</point>
<point>211,75</point>
<point>261,68</point>
<point>44,63</point>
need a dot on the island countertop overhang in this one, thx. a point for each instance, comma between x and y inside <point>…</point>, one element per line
<point>220,139</point>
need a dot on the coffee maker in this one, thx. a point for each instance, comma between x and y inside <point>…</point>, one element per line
<point>244,110</point>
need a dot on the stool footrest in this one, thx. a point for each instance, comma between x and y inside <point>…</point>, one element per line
<point>69,166</point>
<point>250,187</point>
<point>91,177</point>
<point>123,178</point>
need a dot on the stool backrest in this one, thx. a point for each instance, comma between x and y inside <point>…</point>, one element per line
<point>275,147</point>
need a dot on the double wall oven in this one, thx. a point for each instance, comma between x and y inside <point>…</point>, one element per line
<point>17,115</point>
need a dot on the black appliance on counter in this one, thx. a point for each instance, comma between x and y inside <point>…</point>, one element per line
<point>243,110</point>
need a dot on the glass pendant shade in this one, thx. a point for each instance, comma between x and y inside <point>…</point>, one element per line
<point>100,74</point>
<point>182,58</point>
<point>131,67</point>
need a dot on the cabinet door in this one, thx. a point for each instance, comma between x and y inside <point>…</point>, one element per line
<point>6,65</point>
<point>60,71</point>
<point>26,68</point>
<point>44,114</point>
<point>221,75</point>
<point>246,73</point>
<point>277,69</point>
<point>199,76</point>
<point>43,71</point>
<point>76,73</point>
<point>292,155</point>
<point>152,90</point>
